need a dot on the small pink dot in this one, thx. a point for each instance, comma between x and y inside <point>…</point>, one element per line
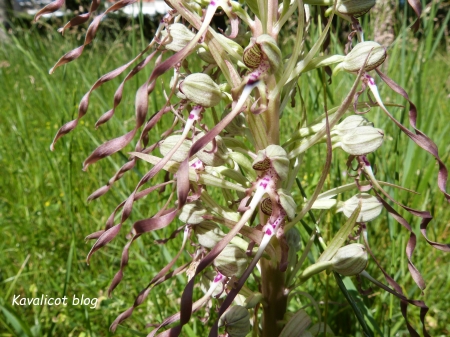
<point>268,232</point>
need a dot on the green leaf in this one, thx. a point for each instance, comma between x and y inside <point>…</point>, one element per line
<point>19,326</point>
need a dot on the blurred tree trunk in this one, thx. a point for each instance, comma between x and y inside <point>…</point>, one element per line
<point>384,21</point>
<point>3,20</point>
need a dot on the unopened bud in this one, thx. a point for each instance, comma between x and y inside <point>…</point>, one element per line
<point>192,213</point>
<point>232,261</point>
<point>200,89</point>
<point>236,321</point>
<point>208,234</point>
<point>354,8</point>
<point>371,207</point>
<point>350,123</point>
<point>179,37</point>
<point>356,59</point>
<point>181,153</point>
<point>275,157</point>
<point>350,260</point>
<point>361,140</point>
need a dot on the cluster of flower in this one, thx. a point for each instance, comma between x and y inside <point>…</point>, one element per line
<point>245,71</point>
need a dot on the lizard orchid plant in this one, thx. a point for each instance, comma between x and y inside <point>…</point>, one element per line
<point>250,232</point>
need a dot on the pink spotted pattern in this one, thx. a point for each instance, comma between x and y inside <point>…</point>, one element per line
<point>198,165</point>
<point>255,75</point>
<point>196,112</point>
<point>265,182</point>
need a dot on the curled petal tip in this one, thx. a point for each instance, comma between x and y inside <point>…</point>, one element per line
<point>51,71</point>
<point>52,147</point>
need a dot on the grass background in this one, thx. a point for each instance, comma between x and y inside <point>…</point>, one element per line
<point>44,215</point>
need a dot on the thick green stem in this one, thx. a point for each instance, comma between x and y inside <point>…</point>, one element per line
<point>275,296</point>
<point>272,113</point>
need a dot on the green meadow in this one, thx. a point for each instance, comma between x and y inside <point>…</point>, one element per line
<point>44,215</point>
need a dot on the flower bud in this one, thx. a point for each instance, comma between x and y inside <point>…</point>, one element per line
<point>192,213</point>
<point>356,59</point>
<point>350,123</point>
<point>181,153</point>
<point>208,234</point>
<point>216,158</point>
<point>361,140</point>
<point>200,89</point>
<point>350,260</point>
<point>371,207</point>
<point>232,261</point>
<point>275,157</point>
<point>179,37</point>
<point>354,8</point>
<point>236,321</point>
